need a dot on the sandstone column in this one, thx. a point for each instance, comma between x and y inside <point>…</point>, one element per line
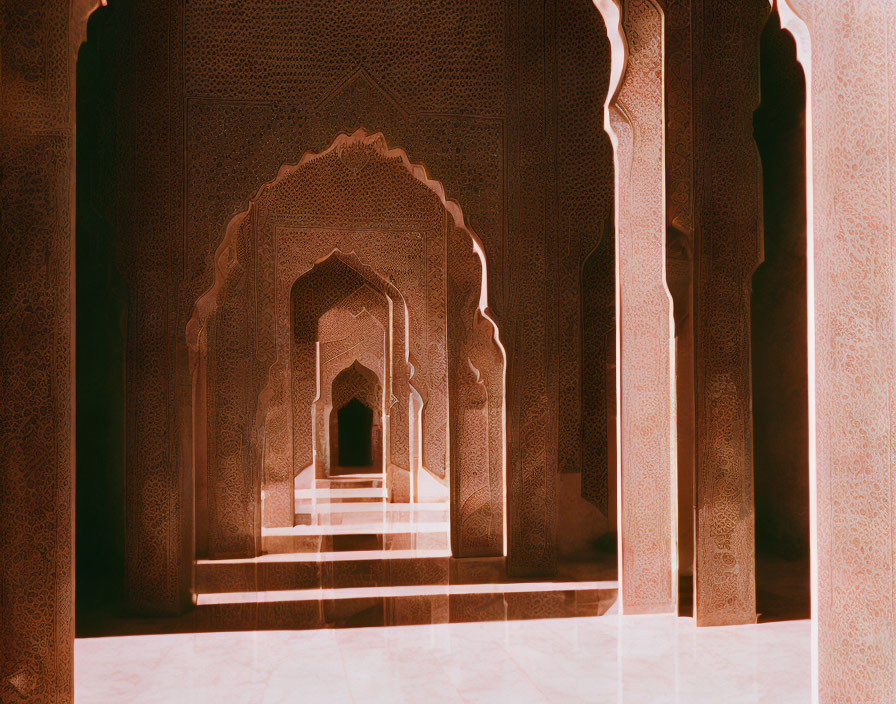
<point>849,54</point>
<point>36,350</point>
<point>531,277</point>
<point>727,222</point>
<point>679,256</point>
<point>158,486</point>
<point>636,117</point>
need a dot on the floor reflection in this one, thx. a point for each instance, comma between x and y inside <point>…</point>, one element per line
<point>612,659</point>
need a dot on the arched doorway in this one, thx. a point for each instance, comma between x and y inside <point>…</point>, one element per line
<point>315,238</point>
<point>356,422</point>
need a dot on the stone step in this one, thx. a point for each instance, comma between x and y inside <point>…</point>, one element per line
<point>383,526</point>
<point>359,481</point>
<point>370,568</point>
<point>340,495</point>
<point>386,507</point>
<point>308,513</point>
<point>377,540</point>
<point>333,571</point>
<point>401,605</point>
<point>327,517</point>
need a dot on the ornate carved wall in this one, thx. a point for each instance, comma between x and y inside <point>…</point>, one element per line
<point>585,231</point>
<point>159,481</point>
<point>531,285</point>
<point>852,95</point>
<point>476,368</point>
<point>679,254</point>
<point>779,309</point>
<point>479,132</point>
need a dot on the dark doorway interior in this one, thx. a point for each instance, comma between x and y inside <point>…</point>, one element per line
<point>780,337</point>
<point>355,434</point>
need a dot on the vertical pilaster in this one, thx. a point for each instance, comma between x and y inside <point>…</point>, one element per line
<point>533,382</point>
<point>849,52</point>
<point>727,222</point>
<point>158,534</point>
<point>644,330</point>
<point>679,82</point>
<point>37,56</point>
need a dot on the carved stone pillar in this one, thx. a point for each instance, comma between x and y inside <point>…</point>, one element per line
<point>851,80</point>
<point>531,280</point>
<point>645,330</point>
<point>158,486</point>
<point>679,256</point>
<point>727,223</point>
<point>476,409</point>
<point>36,349</point>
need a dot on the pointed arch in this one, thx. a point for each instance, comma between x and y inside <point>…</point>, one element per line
<point>296,225</point>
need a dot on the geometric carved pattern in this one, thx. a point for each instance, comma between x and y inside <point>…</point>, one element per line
<point>36,354</point>
<point>585,235</point>
<point>484,135</point>
<point>531,269</point>
<point>635,116</point>
<point>356,381</point>
<point>598,297</point>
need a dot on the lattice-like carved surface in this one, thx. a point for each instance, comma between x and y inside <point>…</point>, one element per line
<point>598,294</point>
<point>679,139</point>
<point>280,49</point>
<point>36,354</point>
<point>261,97</point>
<point>533,342</point>
<point>356,381</point>
<point>385,222</point>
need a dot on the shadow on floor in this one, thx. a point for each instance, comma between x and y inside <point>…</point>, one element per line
<point>300,592</point>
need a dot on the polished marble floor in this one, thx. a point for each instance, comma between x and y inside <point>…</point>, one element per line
<point>612,659</point>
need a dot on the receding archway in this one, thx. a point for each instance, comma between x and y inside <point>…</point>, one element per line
<point>321,219</point>
<point>355,436</point>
